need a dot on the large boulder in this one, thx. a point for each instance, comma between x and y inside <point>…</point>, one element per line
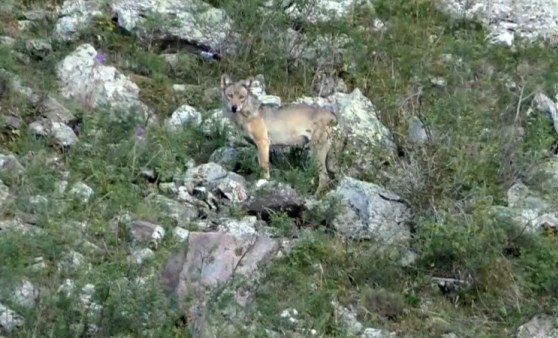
<point>358,133</point>
<point>371,212</point>
<point>192,20</point>
<point>83,77</point>
<point>504,18</point>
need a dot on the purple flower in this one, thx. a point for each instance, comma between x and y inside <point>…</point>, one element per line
<point>139,132</point>
<point>206,55</point>
<point>100,57</point>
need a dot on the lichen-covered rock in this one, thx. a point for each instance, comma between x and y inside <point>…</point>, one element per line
<point>191,20</point>
<point>83,77</point>
<point>371,212</point>
<point>539,327</point>
<point>184,115</point>
<point>504,18</point>
<point>359,130</point>
<point>208,261</point>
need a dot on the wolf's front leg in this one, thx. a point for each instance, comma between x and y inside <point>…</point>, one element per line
<point>263,157</point>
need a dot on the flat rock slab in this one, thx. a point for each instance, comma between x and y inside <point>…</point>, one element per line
<point>211,258</point>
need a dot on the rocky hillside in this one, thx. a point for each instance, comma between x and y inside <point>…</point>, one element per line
<point>130,208</point>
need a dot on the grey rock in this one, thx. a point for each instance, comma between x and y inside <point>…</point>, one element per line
<point>74,18</point>
<point>244,225</point>
<point>225,156</point>
<point>415,130</point>
<point>82,191</point>
<point>182,116</point>
<point>168,188</point>
<point>50,108</point>
<point>377,333</point>
<point>191,20</point>
<point>7,41</point>
<point>216,178</point>
<point>503,19</point>
<point>540,326</point>
<point>71,262</point>
<point>25,294</point>
<point>354,327</point>
<point>181,213</point>
<point>61,133</point>
<point>9,163</point>
<point>10,121</point>
<point>9,320</point>
<point>207,261</point>
<point>38,48</point>
<point>371,212</point>
<point>180,234</point>
<point>272,198</point>
<point>144,231</point>
<point>140,256</point>
<point>38,15</point>
<point>359,130</point>
<point>95,85</point>
<point>323,10</point>
<point>547,106</point>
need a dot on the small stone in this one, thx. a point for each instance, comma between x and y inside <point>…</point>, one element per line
<point>168,188</point>
<point>7,41</point>
<point>180,234</point>
<point>82,191</point>
<point>38,48</point>
<point>39,264</point>
<point>245,225</point>
<point>415,130</point>
<point>146,231</point>
<point>67,287</point>
<point>138,257</point>
<point>9,320</point>
<point>71,261</point>
<point>184,115</point>
<point>63,134</point>
<point>438,81</point>
<point>376,333</point>
<point>25,294</point>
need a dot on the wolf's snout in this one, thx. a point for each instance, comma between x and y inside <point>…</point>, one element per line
<point>233,109</point>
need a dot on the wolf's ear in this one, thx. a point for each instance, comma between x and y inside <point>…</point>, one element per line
<point>248,81</point>
<point>225,81</point>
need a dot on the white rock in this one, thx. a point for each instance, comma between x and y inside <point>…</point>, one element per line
<point>75,16</point>
<point>9,320</point>
<point>191,20</point>
<point>323,10</point>
<point>138,257</point>
<point>25,294</point>
<point>359,125</point>
<point>541,326</point>
<point>376,333</point>
<point>67,287</point>
<point>63,134</point>
<point>185,114</point>
<point>82,191</point>
<point>371,211</point>
<point>96,85</point>
<point>181,234</point>
<point>245,225</point>
<point>529,18</point>
<point>71,261</point>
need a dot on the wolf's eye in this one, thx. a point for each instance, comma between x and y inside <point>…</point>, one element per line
<point>230,96</point>
<point>241,97</point>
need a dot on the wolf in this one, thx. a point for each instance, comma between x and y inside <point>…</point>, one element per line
<point>267,124</point>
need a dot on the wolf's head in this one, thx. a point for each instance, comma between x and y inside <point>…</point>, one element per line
<point>236,95</point>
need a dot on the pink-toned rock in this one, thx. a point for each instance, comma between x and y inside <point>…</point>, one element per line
<point>209,260</point>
